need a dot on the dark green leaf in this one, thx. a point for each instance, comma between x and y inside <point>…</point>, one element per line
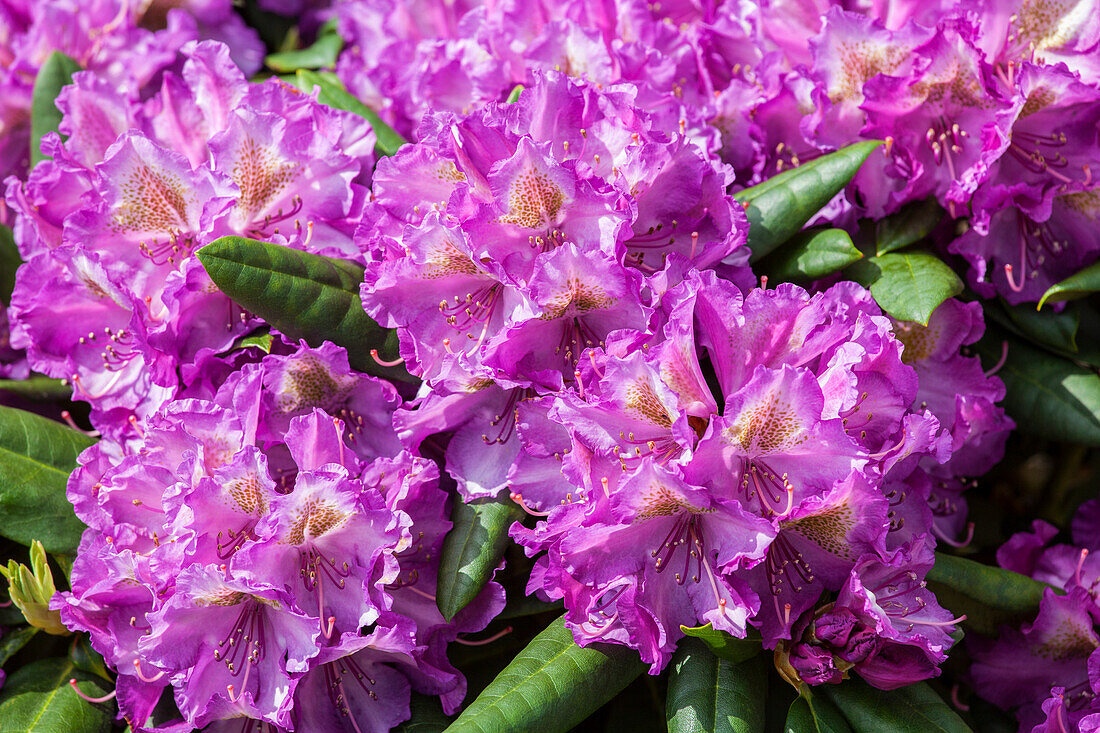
<point>1057,331</point>
<point>912,709</point>
<point>723,644</point>
<point>427,716</point>
<point>36,457</point>
<point>321,55</point>
<point>38,699</point>
<point>87,659</point>
<point>37,387</point>
<point>781,205</point>
<point>550,686</point>
<point>56,73</point>
<point>1075,286</point>
<point>711,695</point>
<point>335,95</point>
<point>810,255</point>
<point>815,714</point>
<point>9,262</point>
<point>912,223</point>
<point>13,640</point>
<point>302,295</point>
<point>472,550</point>
<point>907,285</point>
<point>995,587</point>
<point>1047,395</point>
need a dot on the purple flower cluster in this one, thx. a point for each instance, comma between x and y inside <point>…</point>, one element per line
<point>127,42</point>
<point>1048,670</point>
<point>996,119</point>
<point>268,545</point>
<point>111,297</point>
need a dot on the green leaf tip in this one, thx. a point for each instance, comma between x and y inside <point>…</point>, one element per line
<point>1077,285</point>
<point>335,95</point>
<point>780,206</point>
<point>304,296</point>
<point>472,551</point>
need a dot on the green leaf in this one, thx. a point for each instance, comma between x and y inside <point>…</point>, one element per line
<point>811,713</point>
<point>781,205</point>
<point>56,73</point>
<point>321,55</point>
<point>13,640</point>
<point>302,295</point>
<point>1047,395</point>
<point>995,587</point>
<point>87,659</point>
<point>1057,331</point>
<point>427,716</point>
<point>1075,286</point>
<point>9,262</point>
<point>335,95</point>
<point>810,255</point>
<point>912,709</point>
<point>711,695</point>
<point>472,550</point>
<point>912,223</point>
<point>513,96</point>
<point>723,644</point>
<point>36,457</point>
<point>37,387</point>
<point>38,699</point>
<point>550,686</point>
<point>907,285</point>
<point>261,341</point>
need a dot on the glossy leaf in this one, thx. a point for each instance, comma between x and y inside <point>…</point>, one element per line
<point>36,457</point>
<point>912,223</point>
<point>550,686</point>
<point>1047,395</point>
<point>779,207</point>
<point>1075,286</point>
<point>1057,331</point>
<point>707,694</point>
<point>303,295</point>
<point>472,551</point>
<point>427,716</point>
<point>53,75</point>
<point>321,55</point>
<point>37,699</point>
<point>992,585</point>
<point>9,262</point>
<point>815,714</point>
<point>13,640</point>
<point>335,95</point>
<point>723,644</point>
<point>812,254</point>
<point>913,709</point>
<point>37,387</point>
<point>907,285</point>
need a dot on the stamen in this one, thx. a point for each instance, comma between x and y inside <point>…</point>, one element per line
<point>1016,287</point>
<point>109,696</point>
<point>955,543</point>
<point>955,698</point>
<point>141,675</point>
<point>1001,362</point>
<point>518,498</point>
<point>1080,564</point>
<point>68,418</point>
<point>383,362</point>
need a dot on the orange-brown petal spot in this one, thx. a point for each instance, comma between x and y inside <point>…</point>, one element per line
<point>643,402</point>
<point>262,174</point>
<point>575,298</point>
<point>308,384</point>
<point>533,200</point>
<point>770,426</point>
<point>152,201</point>
<point>830,529</point>
<point>315,518</point>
